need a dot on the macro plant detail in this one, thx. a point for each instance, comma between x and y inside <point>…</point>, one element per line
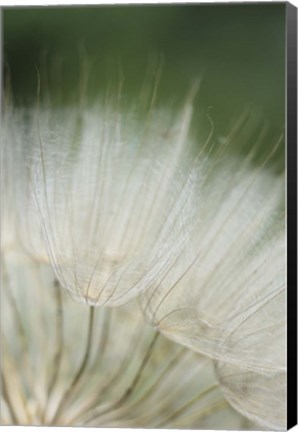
<point>94,370</point>
<point>174,253</point>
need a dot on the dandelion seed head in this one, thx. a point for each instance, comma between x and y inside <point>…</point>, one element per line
<point>115,197</point>
<point>129,213</point>
<point>225,296</point>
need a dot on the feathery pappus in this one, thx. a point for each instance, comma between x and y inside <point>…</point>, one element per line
<point>174,255</point>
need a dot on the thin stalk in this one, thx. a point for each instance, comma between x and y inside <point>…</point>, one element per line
<point>184,407</point>
<point>134,383</point>
<point>90,408</point>
<point>180,422</point>
<point>7,400</point>
<point>80,371</point>
<point>59,345</point>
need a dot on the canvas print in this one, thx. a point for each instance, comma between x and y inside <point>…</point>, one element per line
<point>143,242</point>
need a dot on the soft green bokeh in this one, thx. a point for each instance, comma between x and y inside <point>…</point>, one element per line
<point>238,50</point>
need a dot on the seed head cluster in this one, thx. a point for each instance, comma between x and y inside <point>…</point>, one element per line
<point>144,273</point>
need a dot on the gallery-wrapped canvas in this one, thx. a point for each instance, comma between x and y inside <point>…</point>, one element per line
<point>148,218</point>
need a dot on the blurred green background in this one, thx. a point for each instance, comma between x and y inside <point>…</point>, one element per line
<point>237,49</point>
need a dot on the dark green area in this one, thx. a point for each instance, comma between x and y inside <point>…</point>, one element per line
<point>238,50</point>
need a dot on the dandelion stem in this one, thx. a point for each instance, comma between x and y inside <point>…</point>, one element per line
<point>206,412</point>
<point>80,371</point>
<point>17,316</point>
<point>7,400</point>
<point>139,373</point>
<point>90,410</point>
<point>59,342</point>
<point>150,391</point>
<point>134,383</point>
<point>185,406</point>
